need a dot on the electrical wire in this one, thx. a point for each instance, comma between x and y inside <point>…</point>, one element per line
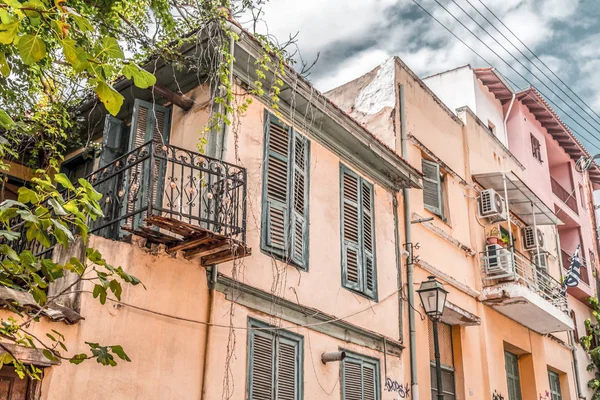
<point>290,327</point>
<point>489,63</point>
<point>527,58</point>
<point>538,58</point>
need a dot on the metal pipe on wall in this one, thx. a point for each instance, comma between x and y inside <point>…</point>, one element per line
<point>409,259</point>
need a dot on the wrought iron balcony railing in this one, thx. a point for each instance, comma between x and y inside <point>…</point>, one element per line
<point>159,180</point>
<point>502,265</point>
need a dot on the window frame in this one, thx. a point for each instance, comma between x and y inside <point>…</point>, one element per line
<point>440,182</point>
<point>356,357</point>
<point>362,290</point>
<point>554,395</point>
<point>516,377</point>
<point>285,255</point>
<point>536,148</point>
<point>275,334</point>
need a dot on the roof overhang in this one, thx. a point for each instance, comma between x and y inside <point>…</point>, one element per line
<point>455,315</point>
<point>495,83</point>
<point>556,128</point>
<point>521,200</point>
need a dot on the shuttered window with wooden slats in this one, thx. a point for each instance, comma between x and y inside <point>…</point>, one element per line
<point>432,188</point>
<point>148,122</point>
<point>285,191</point>
<point>358,233</point>
<point>274,364</point>
<point>360,378</point>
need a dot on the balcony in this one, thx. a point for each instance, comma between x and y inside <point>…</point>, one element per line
<point>524,292</point>
<point>186,201</point>
<point>564,195</point>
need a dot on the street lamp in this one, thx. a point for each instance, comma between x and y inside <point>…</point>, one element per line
<point>433,298</point>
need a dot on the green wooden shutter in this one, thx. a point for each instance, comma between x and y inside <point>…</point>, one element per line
<point>352,268</point>
<point>149,121</point>
<point>261,366</point>
<point>274,364</point>
<point>360,378</point>
<point>432,187</point>
<point>113,140</point>
<point>368,239</point>
<point>300,151</point>
<point>276,188</point>
<point>512,376</point>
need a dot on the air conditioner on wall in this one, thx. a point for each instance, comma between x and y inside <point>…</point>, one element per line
<point>498,261</point>
<point>529,236</point>
<point>491,206</point>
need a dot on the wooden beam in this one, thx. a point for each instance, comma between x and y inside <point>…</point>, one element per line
<point>182,102</point>
<point>188,244</point>
<point>208,251</point>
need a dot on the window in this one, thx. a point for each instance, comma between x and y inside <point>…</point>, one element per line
<point>275,364</point>
<point>554,386</point>
<point>360,378</point>
<point>511,363</point>
<point>446,361</point>
<point>536,148</point>
<point>285,193</point>
<point>14,388</point>
<point>114,140</point>
<point>358,234</point>
<point>432,188</point>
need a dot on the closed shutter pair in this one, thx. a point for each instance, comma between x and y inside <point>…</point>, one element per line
<point>358,233</point>
<point>360,378</point>
<point>274,364</point>
<point>432,188</point>
<point>285,193</point>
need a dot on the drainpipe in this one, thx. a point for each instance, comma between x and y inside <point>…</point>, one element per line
<point>575,362</point>
<point>214,272</point>
<point>398,266</point>
<point>506,117</point>
<point>409,259</point>
<point>221,153</point>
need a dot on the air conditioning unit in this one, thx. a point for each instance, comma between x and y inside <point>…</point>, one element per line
<point>491,205</point>
<point>540,259</point>
<point>498,261</point>
<point>529,236</point>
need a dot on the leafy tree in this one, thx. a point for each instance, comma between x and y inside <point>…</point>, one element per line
<point>591,344</point>
<point>54,54</point>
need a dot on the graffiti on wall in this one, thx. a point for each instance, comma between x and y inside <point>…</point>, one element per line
<point>403,390</point>
<point>545,396</point>
<point>497,396</point>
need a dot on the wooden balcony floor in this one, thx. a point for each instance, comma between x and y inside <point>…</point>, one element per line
<point>193,241</point>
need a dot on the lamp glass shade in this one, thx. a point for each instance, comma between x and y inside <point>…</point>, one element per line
<point>433,297</point>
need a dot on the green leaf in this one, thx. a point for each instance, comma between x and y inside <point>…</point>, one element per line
<point>118,350</point>
<point>4,67</point>
<point>57,207</point>
<point>36,5</point>
<point>111,47</point>
<point>27,195</point>
<point>49,355</point>
<point>8,32</point>
<point>38,280</point>
<point>103,356</point>
<point>116,288</point>
<point>6,121</point>
<point>8,235</point>
<point>9,252</point>
<point>82,23</point>
<point>111,99</point>
<point>39,295</point>
<point>74,55</point>
<point>75,265</point>
<point>63,180</point>
<point>78,358</point>
<point>63,234</point>
<point>141,78</point>
<point>31,49</point>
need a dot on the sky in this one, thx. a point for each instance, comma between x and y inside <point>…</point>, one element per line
<point>354,36</point>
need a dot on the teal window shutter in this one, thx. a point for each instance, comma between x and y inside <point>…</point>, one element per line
<point>114,140</point>
<point>275,363</point>
<point>299,200</point>
<point>149,121</point>
<point>432,187</point>
<point>513,379</point>
<point>358,234</point>
<point>360,378</point>
<point>285,193</point>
